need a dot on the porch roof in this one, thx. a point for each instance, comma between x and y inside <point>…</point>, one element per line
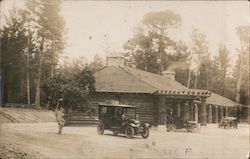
<point>216,99</point>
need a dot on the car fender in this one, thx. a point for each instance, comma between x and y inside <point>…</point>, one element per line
<point>146,125</point>
<point>132,124</point>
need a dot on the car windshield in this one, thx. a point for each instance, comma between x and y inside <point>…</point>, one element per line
<point>117,111</point>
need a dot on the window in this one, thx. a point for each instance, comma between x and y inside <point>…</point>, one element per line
<point>104,110</point>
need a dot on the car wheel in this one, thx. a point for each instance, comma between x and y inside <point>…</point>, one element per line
<point>129,132</point>
<point>100,128</point>
<point>145,133</point>
<point>171,127</point>
<point>194,128</point>
<point>115,132</point>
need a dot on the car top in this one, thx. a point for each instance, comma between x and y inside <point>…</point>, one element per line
<point>229,118</point>
<point>117,105</point>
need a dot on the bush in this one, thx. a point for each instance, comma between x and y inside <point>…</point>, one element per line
<point>73,88</point>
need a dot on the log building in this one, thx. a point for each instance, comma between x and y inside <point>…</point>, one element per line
<point>153,94</point>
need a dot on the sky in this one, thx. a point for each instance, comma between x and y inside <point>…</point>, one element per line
<point>98,27</point>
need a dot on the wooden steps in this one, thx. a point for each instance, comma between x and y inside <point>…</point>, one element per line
<point>81,119</point>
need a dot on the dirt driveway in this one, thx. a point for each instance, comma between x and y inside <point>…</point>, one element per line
<point>39,140</point>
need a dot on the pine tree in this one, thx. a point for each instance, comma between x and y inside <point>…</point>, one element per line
<point>200,49</point>
<point>243,62</point>
<point>49,39</point>
<point>223,59</point>
<point>151,49</point>
<point>13,49</point>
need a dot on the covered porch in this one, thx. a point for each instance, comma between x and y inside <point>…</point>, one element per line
<point>182,104</point>
<point>219,107</point>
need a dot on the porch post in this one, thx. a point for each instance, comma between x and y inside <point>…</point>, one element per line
<point>210,114</point>
<point>187,111</point>
<point>179,110</point>
<point>196,112</point>
<point>216,114</point>
<point>226,111</point>
<point>192,112</point>
<point>162,112</point>
<point>221,113</point>
<point>203,112</point>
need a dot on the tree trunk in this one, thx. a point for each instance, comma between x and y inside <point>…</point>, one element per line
<point>189,76</point>
<point>38,85</point>
<point>53,57</point>
<point>21,93</point>
<point>28,81</point>
<point>28,67</point>
<point>9,95</point>
<point>240,75</point>
<point>195,82</point>
<point>39,76</point>
<point>207,84</point>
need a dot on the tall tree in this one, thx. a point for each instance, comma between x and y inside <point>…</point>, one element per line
<point>244,36</point>
<point>200,49</point>
<point>49,38</point>
<point>151,48</point>
<point>13,49</point>
<point>97,64</point>
<point>223,59</point>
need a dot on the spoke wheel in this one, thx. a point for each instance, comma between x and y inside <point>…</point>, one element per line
<point>171,127</point>
<point>194,128</point>
<point>100,128</point>
<point>115,132</point>
<point>145,133</point>
<point>129,132</point>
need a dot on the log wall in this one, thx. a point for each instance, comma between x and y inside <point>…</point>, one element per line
<point>147,106</point>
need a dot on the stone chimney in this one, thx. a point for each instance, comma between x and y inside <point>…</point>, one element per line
<point>169,74</point>
<point>115,61</point>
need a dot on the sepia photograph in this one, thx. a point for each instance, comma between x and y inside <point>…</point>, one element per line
<point>124,79</point>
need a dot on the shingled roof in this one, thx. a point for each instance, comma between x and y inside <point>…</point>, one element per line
<point>130,80</point>
<point>216,99</point>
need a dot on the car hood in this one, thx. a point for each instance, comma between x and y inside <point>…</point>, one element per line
<point>135,121</point>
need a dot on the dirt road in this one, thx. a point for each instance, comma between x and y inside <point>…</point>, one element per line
<point>39,140</point>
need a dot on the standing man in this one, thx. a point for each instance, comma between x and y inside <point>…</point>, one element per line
<point>60,117</point>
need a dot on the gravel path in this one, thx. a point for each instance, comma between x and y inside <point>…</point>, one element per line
<point>39,140</point>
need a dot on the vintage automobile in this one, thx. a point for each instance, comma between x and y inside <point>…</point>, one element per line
<point>120,118</point>
<point>228,122</point>
<point>173,123</point>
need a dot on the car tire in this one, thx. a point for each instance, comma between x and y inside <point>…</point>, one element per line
<point>100,128</point>
<point>129,132</point>
<point>145,132</point>
<point>115,132</point>
<point>194,128</point>
<point>171,127</point>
